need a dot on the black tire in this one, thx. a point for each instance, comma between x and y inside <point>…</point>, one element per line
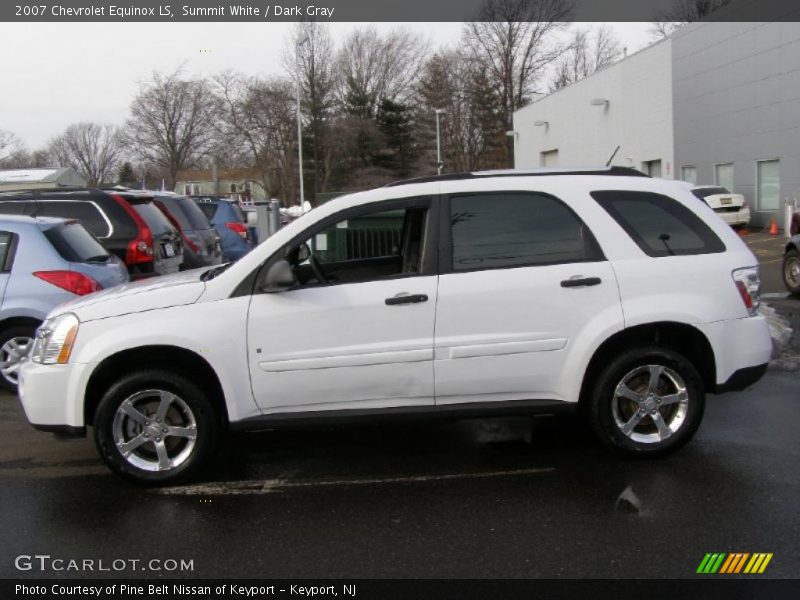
<point>604,416</point>
<point>791,260</point>
<point>142,383</point>
<point>6,335</point>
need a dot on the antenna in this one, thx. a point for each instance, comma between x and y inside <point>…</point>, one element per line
<point>612,156</point>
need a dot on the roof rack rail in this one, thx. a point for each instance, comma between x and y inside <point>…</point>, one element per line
<point>612,171</point>
<point>58,190</point>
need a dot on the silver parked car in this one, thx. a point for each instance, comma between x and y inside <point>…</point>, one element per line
<point>44,262</point>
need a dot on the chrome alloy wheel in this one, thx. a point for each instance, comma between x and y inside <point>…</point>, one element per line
<point>12,355</point>
<point>650,404</point>
<point>154,430</point>
<point>791,271</point>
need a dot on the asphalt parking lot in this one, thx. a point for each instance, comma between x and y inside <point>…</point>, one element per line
<point>492,498</point>
<point>769,251</point>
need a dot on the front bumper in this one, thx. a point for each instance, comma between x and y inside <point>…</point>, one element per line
<point>52,396</point>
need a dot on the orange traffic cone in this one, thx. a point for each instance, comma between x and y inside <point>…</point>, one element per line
<point>773,227</point>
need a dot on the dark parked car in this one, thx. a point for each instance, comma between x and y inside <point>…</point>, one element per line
<point>230,223</point>
<point>129,226</point>
<point>201,242</point>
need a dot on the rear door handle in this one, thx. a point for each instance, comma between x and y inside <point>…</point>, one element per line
<point>407,299</point>
<point>581,282</point>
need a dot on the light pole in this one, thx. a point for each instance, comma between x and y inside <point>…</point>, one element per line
<point>439,112</point>
<point>298,50</point>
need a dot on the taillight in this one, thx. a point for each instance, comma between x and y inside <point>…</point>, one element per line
<point>77,283</point>
<point>748,283</point>
<point>239,228</point>
<point>140,249</point>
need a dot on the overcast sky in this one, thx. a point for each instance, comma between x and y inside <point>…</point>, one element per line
<point>55,74</point>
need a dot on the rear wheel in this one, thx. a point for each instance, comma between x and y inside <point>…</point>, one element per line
<point>791,271</point>
<point>647,402</point>
<point>156,427</point>
<point>16,344</point>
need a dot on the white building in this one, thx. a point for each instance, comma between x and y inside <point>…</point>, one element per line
<point>29,179</point>
<point>628,105</point>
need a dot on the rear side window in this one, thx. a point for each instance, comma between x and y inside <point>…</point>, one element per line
<point>510,229</point>
<point>87,213</point>
<point>660,225</point>
<point>75,244</point>
<point>155,219</point>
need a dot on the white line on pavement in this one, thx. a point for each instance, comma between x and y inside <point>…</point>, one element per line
<point>270,486</point>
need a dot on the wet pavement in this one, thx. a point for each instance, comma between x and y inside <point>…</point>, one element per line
<point>497,498</point>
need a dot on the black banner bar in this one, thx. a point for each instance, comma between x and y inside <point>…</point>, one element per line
<point>707,587</point>
<point>365,10</point>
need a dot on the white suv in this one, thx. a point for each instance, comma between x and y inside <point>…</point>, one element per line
<point>461,295</point>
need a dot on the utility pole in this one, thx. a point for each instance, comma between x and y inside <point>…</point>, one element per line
<point>299,49</point>
<point>439,164</point>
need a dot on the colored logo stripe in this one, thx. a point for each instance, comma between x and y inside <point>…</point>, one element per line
<point>720,562</point>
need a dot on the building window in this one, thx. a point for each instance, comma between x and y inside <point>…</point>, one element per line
<point>768,184</point>
<point>233,188</point>
<point>723,175</point>
<point>652,168</point>
<point>195,189</point>
<point>187,190</point>
<point>549,158</point>
<point>689,174</point>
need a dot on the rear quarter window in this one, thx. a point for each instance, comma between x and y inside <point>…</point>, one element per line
<point>75,244</point>
<point>660,225</point>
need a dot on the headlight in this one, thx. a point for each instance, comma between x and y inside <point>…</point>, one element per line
<point>54,340</point>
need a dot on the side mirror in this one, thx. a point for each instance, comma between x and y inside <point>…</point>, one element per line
<point>278,278</point>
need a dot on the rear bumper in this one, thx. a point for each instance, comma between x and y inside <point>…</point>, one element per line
<point>740,217</point>
<point>742,379</point>
<point>742,348</point>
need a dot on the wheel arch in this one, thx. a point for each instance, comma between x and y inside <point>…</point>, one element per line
<point>19,322</point>
<point>680,337</point>
<point>161,357</point>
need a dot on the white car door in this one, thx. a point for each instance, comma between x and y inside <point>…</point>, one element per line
<point>522,278</point>
<point>363,339</point>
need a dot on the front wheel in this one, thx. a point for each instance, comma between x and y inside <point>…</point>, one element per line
<point>155,427</point>
<point>16,344</point>
<point>791,271</point>
<point>647,402</point>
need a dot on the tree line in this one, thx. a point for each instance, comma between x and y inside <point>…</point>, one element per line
<point>367,100</point>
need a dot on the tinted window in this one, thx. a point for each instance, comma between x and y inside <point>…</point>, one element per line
<point>5,247</point>
<point>704,193</point>
<point>197,220</point>
<point>155,219</point>
<point>75,244</point>
<point>515,229</point>
<point>14,208</point>
<point>209,209</point>
<point>660,225</point>
<point>85,212</point>
<point>175,211</point>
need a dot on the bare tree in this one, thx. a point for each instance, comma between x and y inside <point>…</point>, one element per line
<point>588,52</point>
<point>10,145</point>
<point>258,115</point>
<point>172,122</point>
<point>682,12</point>
<point>513,40</point>
<point>92,149</point>
<point>473,134</point>
<point>374,67</point>
<point>315,65</point>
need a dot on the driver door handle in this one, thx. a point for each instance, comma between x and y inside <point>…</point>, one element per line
<point>581,282</point>
<point>407,299</point>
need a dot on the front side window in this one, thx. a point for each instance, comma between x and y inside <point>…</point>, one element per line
<point>368,246</point>
<point>511,229</point>
<point>660,225</point>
